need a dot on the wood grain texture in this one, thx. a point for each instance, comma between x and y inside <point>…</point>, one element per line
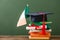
<point>24,37</point>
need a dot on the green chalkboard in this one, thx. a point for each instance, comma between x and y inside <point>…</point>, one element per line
<point>10,11</point>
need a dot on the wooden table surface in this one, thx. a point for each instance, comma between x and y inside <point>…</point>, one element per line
<point>23,37</point>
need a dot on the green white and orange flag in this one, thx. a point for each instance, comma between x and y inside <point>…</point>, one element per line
<point>22,19</point>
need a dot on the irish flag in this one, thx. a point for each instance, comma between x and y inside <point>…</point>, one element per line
<point>22,19</point>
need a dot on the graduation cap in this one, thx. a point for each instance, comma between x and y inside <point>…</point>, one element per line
<point>38,16</point>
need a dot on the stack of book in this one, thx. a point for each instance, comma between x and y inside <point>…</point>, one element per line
<point>36,32</point>
<point>39,35</point>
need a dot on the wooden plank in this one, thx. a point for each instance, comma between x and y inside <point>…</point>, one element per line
<point>23,37</point>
